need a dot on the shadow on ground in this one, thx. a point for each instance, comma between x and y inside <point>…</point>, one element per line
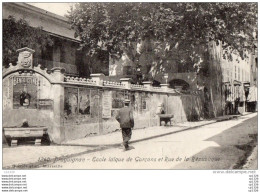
<point>235,145</point>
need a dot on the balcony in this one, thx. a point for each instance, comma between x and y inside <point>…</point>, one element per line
<point>71,69</point>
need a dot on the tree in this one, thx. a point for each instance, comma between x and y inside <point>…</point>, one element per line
<point>18,34</point>
<point>163,30</point>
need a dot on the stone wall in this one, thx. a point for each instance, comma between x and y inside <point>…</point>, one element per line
<point>83,109</point>
<point>73,107</point>
<point>81,112</point>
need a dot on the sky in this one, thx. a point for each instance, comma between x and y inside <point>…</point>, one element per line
<point>57,8</point>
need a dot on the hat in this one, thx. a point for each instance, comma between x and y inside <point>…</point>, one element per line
<point>126,101</point>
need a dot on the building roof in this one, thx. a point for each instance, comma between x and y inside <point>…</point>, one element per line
<point>37,17</point>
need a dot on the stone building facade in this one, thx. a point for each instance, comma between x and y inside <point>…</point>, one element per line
<point>64,51</point>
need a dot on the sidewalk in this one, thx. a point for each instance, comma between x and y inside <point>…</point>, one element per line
<point>29,154</point>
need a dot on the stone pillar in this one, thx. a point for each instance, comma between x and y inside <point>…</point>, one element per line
<point>58,133</point>
<point>58,74</point>
<point>147,85</point>
<point>98,78</point>
<point>165,87</point>
<point>126,82</point>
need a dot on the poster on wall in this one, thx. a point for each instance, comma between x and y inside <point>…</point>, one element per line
<point>84,101</point>
<point>45,104</point>
<point>25,92</point>
<point>71,101</point>
<point>95,96</point>
<point>107,104</point>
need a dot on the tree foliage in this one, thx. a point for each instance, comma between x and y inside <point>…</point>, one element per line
<point>163,30</point>
<point>18,34</point>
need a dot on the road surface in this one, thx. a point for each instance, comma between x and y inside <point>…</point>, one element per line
<point>222,145</point>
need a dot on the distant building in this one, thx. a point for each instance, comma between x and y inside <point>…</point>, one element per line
<point>217,73</point>
<point>240,80</point>
<point>254,65</point>
<point>237,69</point>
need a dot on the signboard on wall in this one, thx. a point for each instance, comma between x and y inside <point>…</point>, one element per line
<point>45,104</point>
<point>71,101</point>
<point>107,104</point>
<point>25,92</point>
<point>84,101</point>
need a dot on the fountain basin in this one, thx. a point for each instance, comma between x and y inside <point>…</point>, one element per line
<point>15,133</point>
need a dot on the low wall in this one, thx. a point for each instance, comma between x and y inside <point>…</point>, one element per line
<point>74,108</point>
<point>85,110</point>
<point>144,104</point>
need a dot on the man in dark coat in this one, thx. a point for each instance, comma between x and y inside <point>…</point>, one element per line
<point>126,120</point>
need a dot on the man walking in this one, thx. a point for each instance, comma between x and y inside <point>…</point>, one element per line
<point>126,120</point>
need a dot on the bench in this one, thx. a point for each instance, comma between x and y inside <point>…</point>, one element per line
<point>166,118</point>
<point>14,133</point>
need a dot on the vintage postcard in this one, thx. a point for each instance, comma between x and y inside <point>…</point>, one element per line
<point>119,85</point>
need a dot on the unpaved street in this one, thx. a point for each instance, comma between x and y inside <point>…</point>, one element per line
<point>222,145</point>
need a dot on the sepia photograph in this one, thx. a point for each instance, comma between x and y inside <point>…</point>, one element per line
<point>130,86</point>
